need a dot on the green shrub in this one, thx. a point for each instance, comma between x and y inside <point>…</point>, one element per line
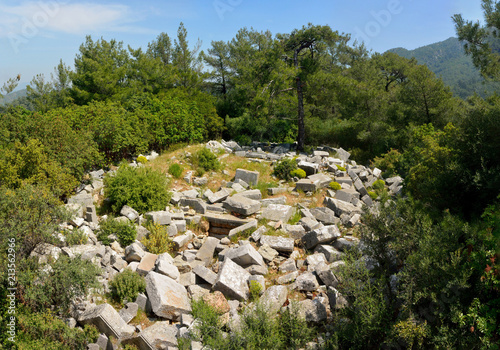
<point>75,237</point>
<point>335,186</point>
<point>127,285</point>
<point>283,169</point>
<point>255,290</point>
<point>141,188</point>
<point>378,185</point>
<point>341,168</point>
<point>300,173</point>
<point>390,162</point>
<point>204,160</point>
<point>142,160</point>
<point>158,241</point>
<point>175,170</point>
<point>124,230</point>
<point>373,195</point>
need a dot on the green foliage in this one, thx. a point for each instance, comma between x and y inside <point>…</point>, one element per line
<point>389,162</point>
<point>124,230</point>
<point>300,173</point>
<point>283,169</point>
<point>335,186</point>
<point>44,330</point>
<point>175,170</point>
<point>255,290</point>
<point>378,185</point>
<point>127,285</point>
<point>373,195</point>
<point>67,279</point>
<point>204,160</point>
<point>341,168</point>
<point>142,160</point>
<point>75,237</point>
<point>157,241</point>
<point>141,188</point>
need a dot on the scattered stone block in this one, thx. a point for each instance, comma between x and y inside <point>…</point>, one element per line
<point>252,194</point>
<point>129,312</point>
<point>321,235</point>
<point>206,252</point>
<point>134,252</point>
<point>147,264</point>
<point>206,274</point>
<point>107,320</point>
<point>274,297</point>
<point>288,278</point>
<point>249,225</point>
<point>326,275</point>
<point>278,212</point>
<point>195,203</point>
<point>130,213</point>
<point>159,217</point>
<point>232,281</point>
<point>325,215</point>
<point>242,205</point>
<point>331,254</point>
<point>250,177</point>
<point>313,310</point>
<point>281,244</point>
<point>306,185</point>
<point>169,299</point>
<point>306,282</point>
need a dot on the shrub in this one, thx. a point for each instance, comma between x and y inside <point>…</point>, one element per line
<point>142,188</point>
<point>300,173</point>
<point>335,186</point>
<point>124,230</point>
<point>283,169</point>
<point>341,168</point>
<point>158,241</point>
<point>205,160</point>
<point>175,170</point>
<point>373,195</point>
<point>255,290</point>
<point>142,160</point>
<point>378,185</point>
<point>75,237</point>
<point>127,285</point>
<point>390,162</point>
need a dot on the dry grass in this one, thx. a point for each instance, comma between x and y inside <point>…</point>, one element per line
<point>142,319</point>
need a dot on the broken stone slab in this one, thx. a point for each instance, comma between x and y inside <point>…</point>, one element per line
<point>242,183</point>
<point>167,268</point>
<point>143,302</point>
<point>309,224</point>
<point>321,235</point>
<point>129,312</point>
<point>346,195</point>
<point>341,207</point>
<point>82,199</point>
<point>147,264</point>
<point>191,194</point>
<point>205,274</point>
<point>278,212</point>
<point>219,196</point>
<point>288,278</point>
<point>276,190</point>
<point>241,205</point>
<point>195,203</point>
<point>307,282</point>
<point>250,177</point>
<point>281,244</point>
<point>244,256</point>
<point>252,194</point>
<point>308,167</point>
<point>134,252</point>
<point>232,281</point>
<point>306,185</point>
<point>217,301</point>
<point>161,335</point>
<point>249,225</point>
<point>159,217</point>
<point>313,310</point>
<point>346,243</point>
<point>277,200</point>
<point>107,320</point>
<point>343,180</point>
<point>258,270</point>
<point>274,297</point>
<point>130,213</point>
<point>176,198</point>
<point>326,275</point>
<point>169,299</point>
<point>295,231</point>
<point>288,266</point>
<point>196,291</point>
<point>354,220</point>
<point>181,241</point>
<point>207,249</point>
<point>257,234</point>
<point>321,153</point>
<point>321,179</point>
<point>331,254</point>
<point>45,252</point>
<point>187,279</point>
<point>358,185</point>
<point>325,215</point>
<point>315,259</point>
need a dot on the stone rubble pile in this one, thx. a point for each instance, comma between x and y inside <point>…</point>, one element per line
<point>303,256</point>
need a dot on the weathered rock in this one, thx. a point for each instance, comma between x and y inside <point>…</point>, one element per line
<point>134,252</point>
<point>241,205</point>
<point>196,203</point>
<point>276,190</point>
<point>168,269</point>
<point>276,200</point>
<point>219,196</point>
<point>232,281</point>
<point>274,297</point>
<point>169,299</point>
<point>190,194</point>
<point>267,253</point>
<point>182,240</point>
<point>321,235</point>
<point>288,278</point>
<point>341,207</point>
<point>250,177</point>
<point>309,168</point>
<point>315,259</point>
<point>147,264</point>
<point>288,266</point>
<point>252,194</point>
<point>325,215</point>
<point>345,243</point>
<point>196,291</point>
<point>313,310</point>
<point>343,180</point>
<point>45,252</point>
<point>258,269</point>
<point>295,231</point>
<point>107,320</point>
<point>307,282</point>
<point>336,300</point>
<point>321,179</point>
<point>161,335</point>
<point>206,252</point>
<point>331,254</point>
<point>257,234</point>
<point>217,301</point>
<point>326,275</point>
<point>206,274</point>
<point>129,312</point>
<point>245,255</point>
<point>306,185</point>
<point>130,213</point>
<point>281,244</point>
<point>159,217</point>
<point>354,220</point>
<point>278,212</point>
<point>249,225</point>
<point>309,223</point>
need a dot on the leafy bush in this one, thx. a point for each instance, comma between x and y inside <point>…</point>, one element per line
<point>158,241</point>
<point>142,160</point>
<point>75,237</point>
<point>124,230</point>
<point>127,285</point>
<point>300,173</point>
<point>335,186</point>
<point>340,167</point>
<point>378,185</point>
<point>255,290</point>
<point>390,162</point>
<point>175,170</point>
<point>373,195</point>
<point>283,169</point>
<point>204,160</point>
<point>141,188</point>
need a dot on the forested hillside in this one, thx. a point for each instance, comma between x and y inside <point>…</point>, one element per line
<point>425,274</point>
<point>447,59</point>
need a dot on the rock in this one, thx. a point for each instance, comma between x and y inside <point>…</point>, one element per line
<point>200,181</point>
<point>250,177</point>
<point>134,252</point>
<point>188,177</point>
<point>336,300</point>
<point>278,212</point>
<point>257,234</point>
<point>268,253</point>
<point>274,297</point>
<point>321,154</point>
<point>326,275</point>
<point>277,200</point>
<point>295,231</point>
<point>147,264</point>
<point>249,225</point>
<point>241,205</point>
<point>321,179</point>
<point>91,214</point>
<point>196,291</point>
<point>346,195</point>
<point>129,312</point>
<point>307,282</point>
<point>82,199</point>
<point>354,220</point>
<point>252,194</point>
<point>281,244</point>
<point>306,185</point>
<point>161,335</point>
<point>232,281</point>
<point>159,217</point>
<point>182,240</point>
<point>206,252</point>
<point>288,266</point>
<point>309,168</point>
<point>217,301</point>
<point>315,259</point>
<point>168,298</point>
<point>276,190</point>
<point>345,243</point>
<point>46,252</point>
<point>245,255</point>
<point>219,196</point>
<point>309,223</point>
<point>258,269</point>
<point>143,302</point>
<point>107,320</point>
<point>168,269</point>
<point>196,203</point>
<point>288,278</point>
<point>206,274</point>
<point>322,235</point>
<point>313,310</point>
<point>130,213</point>
<point>325,215</point>
<point>341,207</point>
<point>118,263</point>
<point>331,254</point>
<point>187,279</point>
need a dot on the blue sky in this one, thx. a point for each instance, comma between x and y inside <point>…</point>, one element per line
<point>35,35</point>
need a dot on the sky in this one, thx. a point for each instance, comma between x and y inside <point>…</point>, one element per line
<point>36,35</point>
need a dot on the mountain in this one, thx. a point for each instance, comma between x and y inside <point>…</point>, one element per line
<point>448,60</point>
<point>12,97</point>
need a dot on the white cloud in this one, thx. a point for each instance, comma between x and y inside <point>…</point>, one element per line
<point>59,16</point>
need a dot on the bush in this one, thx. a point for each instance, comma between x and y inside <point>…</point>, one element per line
<point>75,237</point>
<point>127,285</point>
<point>158,241</point>
<point>335,186</point>
<point>373,195</point>
<point>341,168</point>
<point>378,185</point>
<point>175,170</point>
<point>300,173</point>
<point>390,162</point>
<point>142,188</point>
<point>283,169</point>
<point>205,160</point>
<point>125,231</point>
<point>255,290</point>
<point>142,160</point>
